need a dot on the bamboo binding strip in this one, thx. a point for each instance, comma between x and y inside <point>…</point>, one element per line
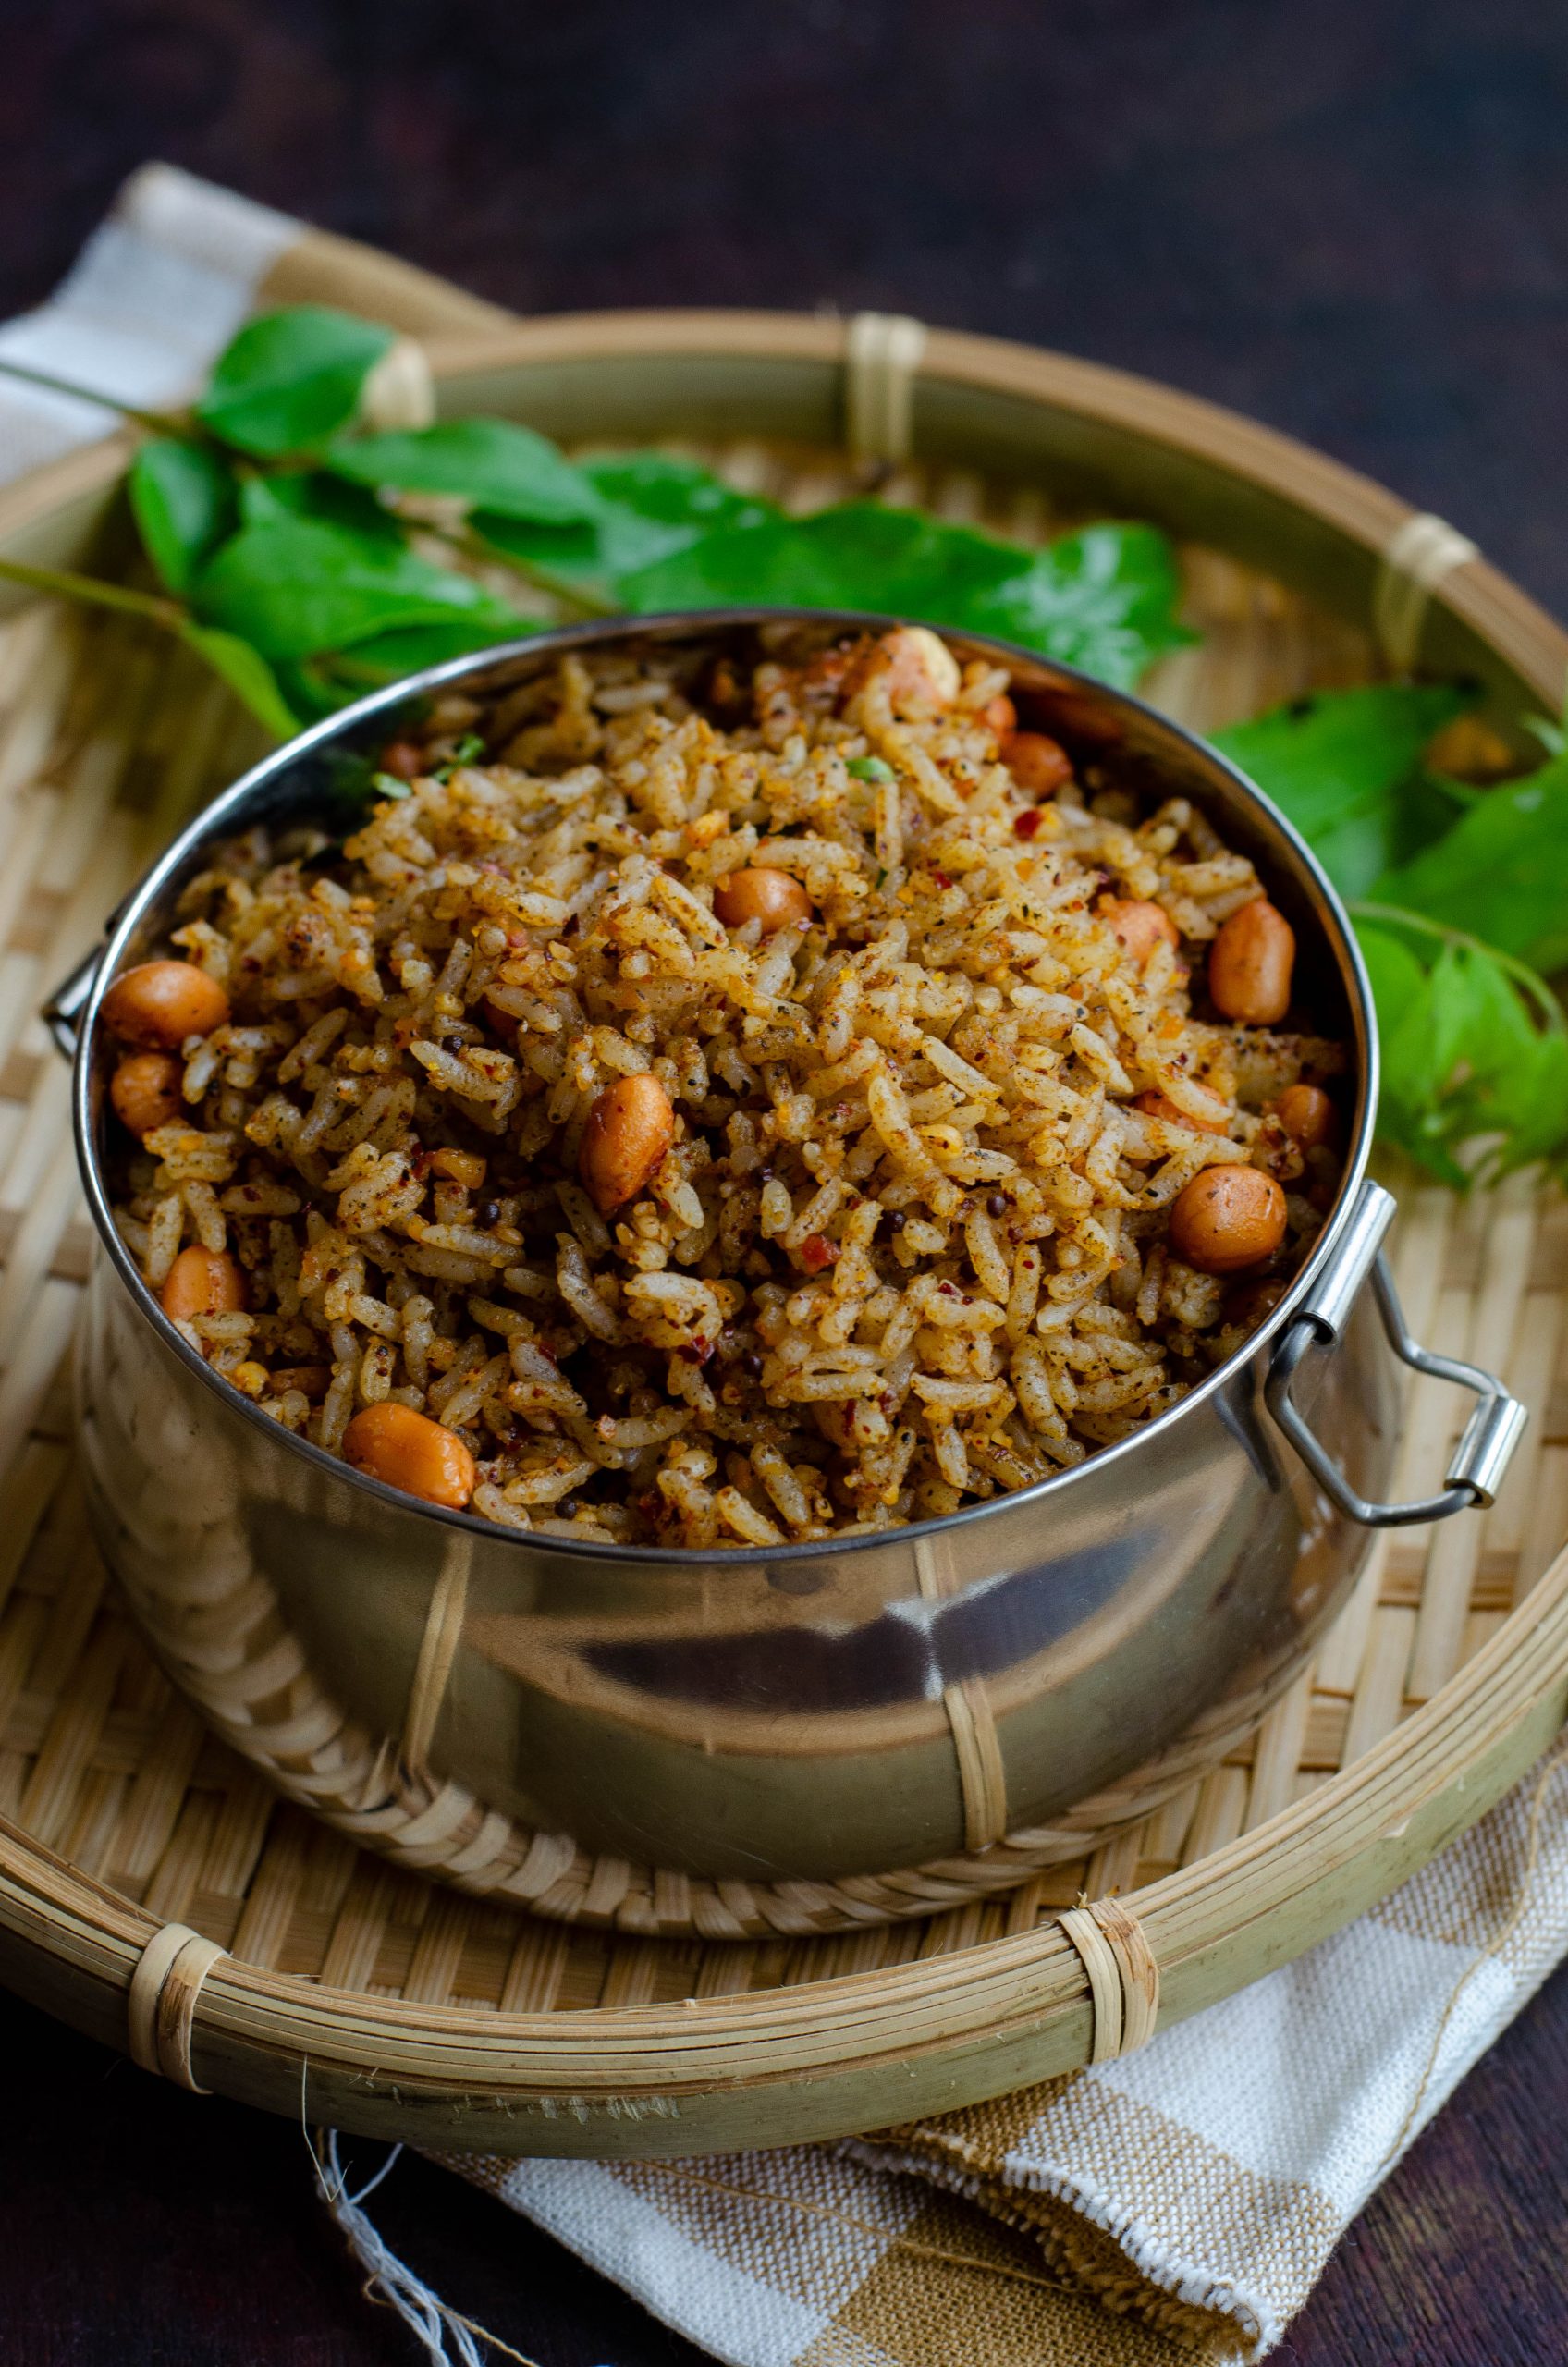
<point>882,353</point>
<point>1416,557</point>
<point>1124,1976</point>
<point>161,2006</point>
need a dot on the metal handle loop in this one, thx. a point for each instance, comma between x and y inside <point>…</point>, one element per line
<point>68,1002</point>
<point>1490,1435</point>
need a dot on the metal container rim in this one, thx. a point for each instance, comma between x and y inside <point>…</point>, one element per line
<point>219,817</point>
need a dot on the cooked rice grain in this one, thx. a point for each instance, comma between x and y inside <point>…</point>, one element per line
<point>908,1248</point>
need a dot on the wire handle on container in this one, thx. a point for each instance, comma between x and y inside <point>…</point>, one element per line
<point>1492,1433</point>
<point>70,999</point>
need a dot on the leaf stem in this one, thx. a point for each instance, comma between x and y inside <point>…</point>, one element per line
<point>573,595</point>
<point>1530,982</point>
<point>68,586</point>
<point>161,422</point>
<point>472,545</point>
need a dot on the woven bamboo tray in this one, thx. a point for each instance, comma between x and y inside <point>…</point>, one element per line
<point>395,2008</point>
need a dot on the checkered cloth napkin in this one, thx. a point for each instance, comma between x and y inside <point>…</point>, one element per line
<point>1176,2203</point>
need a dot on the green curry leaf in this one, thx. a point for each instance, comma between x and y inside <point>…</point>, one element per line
<point>1103,599</point>
<point>295,586</point>
<point>490,463</point>
<point>290,379</point>
<point>183,500</point>
<point>1500,872</point>
<point>247,675</point>
<point>646,507</point>
<point>1343,768</point>
<point>1474,1052</point>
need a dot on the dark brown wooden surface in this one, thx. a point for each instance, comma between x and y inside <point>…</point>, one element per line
<point>1347,217</point>
<point>142,2225</point>
<point>1344,215</point>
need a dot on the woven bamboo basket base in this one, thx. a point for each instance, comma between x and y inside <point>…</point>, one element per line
<point>105,741</point>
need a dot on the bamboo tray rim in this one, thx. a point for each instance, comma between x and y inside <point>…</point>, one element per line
<point>1480,595</point>
<point>1340,496</point>
<point>1349,1840</point>
<point>1026,1978</point>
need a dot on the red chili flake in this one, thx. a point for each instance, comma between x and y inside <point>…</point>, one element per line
<point>546,1350</point>
<point>1026,824</point>
<point>817,1251</point>
<point>695,1352</point>
<point>948,1289</point>
<point>941,879</point>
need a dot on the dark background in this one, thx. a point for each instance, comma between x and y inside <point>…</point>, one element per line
<point>1349,217</point>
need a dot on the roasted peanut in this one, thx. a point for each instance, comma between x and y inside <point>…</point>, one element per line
<point>311,1381</point>
<point>145,1091</point>
<point>1000,714</point>
<point>1160,1105</point>
<point>630,1128</point>
<point>1307,1115</point>
<point>761,894</point>
<point>403,758</point>
<point>164,1002</point>
<point>1036,762</point>
<point>1227,1217</point>
<point>409,1451</point>
<point>1250,964</point>
<point>1139,926</point>
<point>726,690</point>
<point>923,676</point>
<point>203,1281</point>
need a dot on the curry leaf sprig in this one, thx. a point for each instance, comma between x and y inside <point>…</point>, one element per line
<point>310,558</point>
<point>1460,898</point>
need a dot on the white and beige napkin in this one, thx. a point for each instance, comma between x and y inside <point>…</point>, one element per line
<point>1178,2201</point>
<point>1194,2188</point>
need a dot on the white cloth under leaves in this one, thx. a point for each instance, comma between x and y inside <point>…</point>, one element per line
<point>1181,2202</point>
<point>157,291</point>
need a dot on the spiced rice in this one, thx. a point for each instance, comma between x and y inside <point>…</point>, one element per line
<point>908,1246</point>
